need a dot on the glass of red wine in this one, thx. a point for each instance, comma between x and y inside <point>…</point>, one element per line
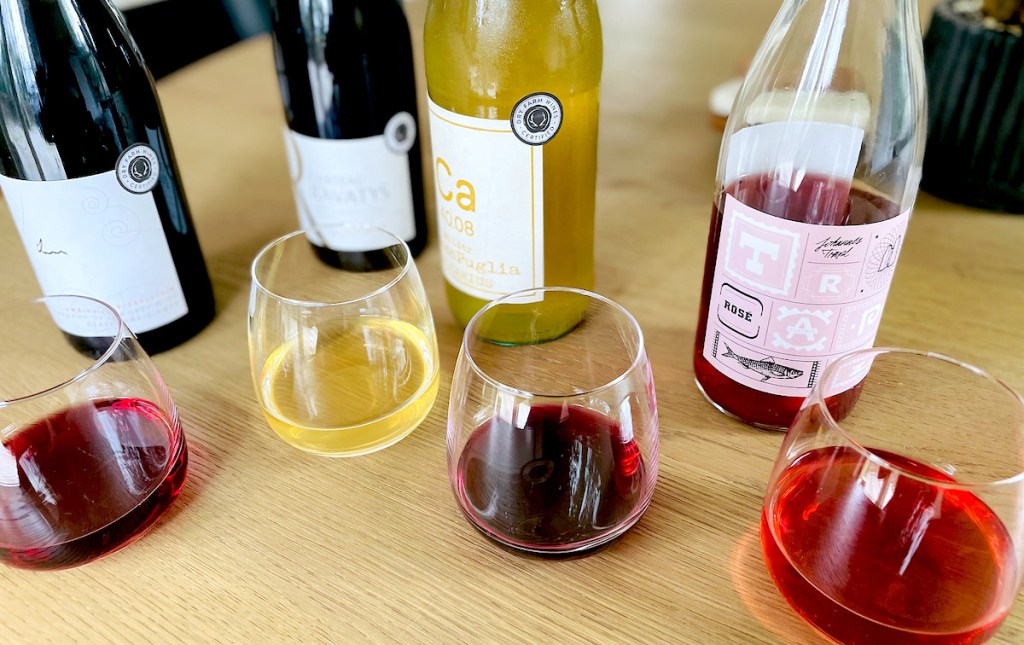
<point>553,440</point>
<point>897,514</point>
<point>91,450</point>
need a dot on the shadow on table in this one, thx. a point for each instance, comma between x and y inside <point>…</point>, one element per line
<point>756,590</point>
<point>230,269</point>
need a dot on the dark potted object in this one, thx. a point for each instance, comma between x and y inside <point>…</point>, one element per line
<point>974,62</point>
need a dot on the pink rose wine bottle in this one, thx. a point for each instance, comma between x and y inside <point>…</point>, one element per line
<point>817,175</point>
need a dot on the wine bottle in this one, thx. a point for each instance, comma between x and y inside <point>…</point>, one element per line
<point>817,175</point>
<point>89,176</point>
<point>513,94</point>
<point>349,91</point>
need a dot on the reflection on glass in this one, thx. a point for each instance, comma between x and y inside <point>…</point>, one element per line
<point>344,362</point>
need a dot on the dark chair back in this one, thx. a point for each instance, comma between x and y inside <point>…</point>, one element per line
<point>174,33</point>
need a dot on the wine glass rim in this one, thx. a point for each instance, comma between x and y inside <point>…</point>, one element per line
<point>827,418</point>
<point>81,374</point>
<point>634,364</point>
<point>406,266</point>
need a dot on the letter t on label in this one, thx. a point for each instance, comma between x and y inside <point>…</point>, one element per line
<point>748,241</point>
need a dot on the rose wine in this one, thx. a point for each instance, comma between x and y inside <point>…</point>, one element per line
<point>817,176</point>
<point>818,200</point>
<point>363,385</point>
<point>87,481</point>
<point>871,556</point>
<point>566,476</point>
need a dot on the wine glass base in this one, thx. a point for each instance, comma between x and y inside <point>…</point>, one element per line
<point>355,453</point>
<point>358,452</point>
<point>317,442</point>
<point>561,551</point>
<point>115,536</point>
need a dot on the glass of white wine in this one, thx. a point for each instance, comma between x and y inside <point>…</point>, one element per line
<point>342,348</point>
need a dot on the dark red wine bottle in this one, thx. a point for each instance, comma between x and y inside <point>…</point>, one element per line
<point>88,173</point>
<point>349,92</point>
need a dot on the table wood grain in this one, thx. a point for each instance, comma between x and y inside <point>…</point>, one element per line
<point>267,544</point>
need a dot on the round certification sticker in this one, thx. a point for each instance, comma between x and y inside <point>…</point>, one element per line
<point>400,133</point>
<point>138,169</point>
<point>536,118</point>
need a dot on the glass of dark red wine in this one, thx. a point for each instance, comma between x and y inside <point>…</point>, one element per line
<point>896,514</point>
<point>553,442</point>
<point>91,450</point>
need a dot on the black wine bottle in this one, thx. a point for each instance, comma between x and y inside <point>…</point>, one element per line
<point>88,172</point>
<point>349,93</point>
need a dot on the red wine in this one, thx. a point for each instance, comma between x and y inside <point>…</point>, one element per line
<point>89,173</point>
<point>349,91</point>
<point>92,479</point>
<point>922,566</point>
<point>818,200</point>
<point>567,476</point>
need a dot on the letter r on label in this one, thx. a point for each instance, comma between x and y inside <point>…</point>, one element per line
<point>829,283</point>
<point>759,246</point>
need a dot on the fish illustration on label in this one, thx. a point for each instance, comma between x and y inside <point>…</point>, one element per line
<point>766,367</point>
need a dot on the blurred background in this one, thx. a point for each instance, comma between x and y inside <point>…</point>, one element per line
<point>174,33</point>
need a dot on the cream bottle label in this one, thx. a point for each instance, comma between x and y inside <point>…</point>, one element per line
<point>358,182</point>
<point>789,298</point>
<point>490,204</point>
<point>94,236</point>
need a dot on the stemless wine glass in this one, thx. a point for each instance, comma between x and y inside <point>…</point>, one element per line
<point>553,445</point>
<point>91,451</point>
<point>895,510</point>
<point>344,355</point>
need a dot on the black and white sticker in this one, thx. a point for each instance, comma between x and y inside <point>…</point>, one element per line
<point>400,133</point>
<point>536,118</point>
<point>138,169</point>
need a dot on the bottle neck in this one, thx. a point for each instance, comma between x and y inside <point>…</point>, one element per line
<point>836,33</point>
<point>836,89</point>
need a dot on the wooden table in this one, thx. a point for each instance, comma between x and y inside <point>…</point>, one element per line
<point>267,544</point>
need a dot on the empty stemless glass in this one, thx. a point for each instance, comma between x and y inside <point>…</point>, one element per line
<point>344,360</point>
<point>553,446</point>
<point>897,514</point>
<point>92,452</point>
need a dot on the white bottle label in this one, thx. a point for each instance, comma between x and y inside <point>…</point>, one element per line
<point>490,204</point>
<point>358,182</point>
<point>91,236</point>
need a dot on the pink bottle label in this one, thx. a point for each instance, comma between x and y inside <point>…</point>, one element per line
<point>789,298</point>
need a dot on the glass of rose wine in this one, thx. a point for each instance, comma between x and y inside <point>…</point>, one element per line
<point>553,444</point>
<point>91,450</point>
<point>895,512</point>
<point>343,354</point>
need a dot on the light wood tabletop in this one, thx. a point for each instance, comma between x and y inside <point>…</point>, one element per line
<point>267,544</point>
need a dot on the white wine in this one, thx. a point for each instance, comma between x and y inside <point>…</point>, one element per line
<point>351,388</point>
<point>514,90</point>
